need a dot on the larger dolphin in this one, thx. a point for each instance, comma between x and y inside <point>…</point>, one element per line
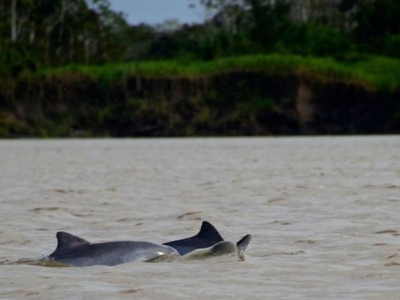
<point>75,251</point>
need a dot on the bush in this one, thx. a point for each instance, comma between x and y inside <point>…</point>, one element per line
<point>315,40</point>
<point>15,58</point>
<point>392,45</point>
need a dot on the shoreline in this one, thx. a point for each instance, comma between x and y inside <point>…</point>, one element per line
<point>245,96</point>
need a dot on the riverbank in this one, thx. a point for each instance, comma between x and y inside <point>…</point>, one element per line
<point>251,95</point>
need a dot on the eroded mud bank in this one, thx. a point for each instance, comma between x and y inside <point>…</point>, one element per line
<point>231,103</point>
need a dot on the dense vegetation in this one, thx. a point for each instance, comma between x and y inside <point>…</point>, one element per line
<point>58,41</point>
<point>375,72</point>
<point>49,33</point>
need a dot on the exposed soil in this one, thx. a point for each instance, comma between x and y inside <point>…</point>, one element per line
<point>231,103</point>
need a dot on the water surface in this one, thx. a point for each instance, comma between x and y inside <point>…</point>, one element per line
<point>323,212</point>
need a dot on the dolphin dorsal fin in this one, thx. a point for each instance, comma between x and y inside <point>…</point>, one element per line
<point>243,243</point>
<point>67,241</point>
<point>209,232</point>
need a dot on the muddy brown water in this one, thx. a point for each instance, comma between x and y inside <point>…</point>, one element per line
<point>324,213</point>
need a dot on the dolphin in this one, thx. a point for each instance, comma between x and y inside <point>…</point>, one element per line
<point>75,251</point>
<point>207,237</point>
<point>222,248</point>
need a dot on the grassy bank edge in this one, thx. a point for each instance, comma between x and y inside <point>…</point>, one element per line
<point>376,72</point>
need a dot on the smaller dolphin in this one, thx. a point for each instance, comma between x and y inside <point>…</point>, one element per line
<point>222,248</point>
<point>75,251</point>
<point>207,237</point>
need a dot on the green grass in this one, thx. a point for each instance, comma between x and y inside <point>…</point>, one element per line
<point>383,72</point>
<point>372,71</point>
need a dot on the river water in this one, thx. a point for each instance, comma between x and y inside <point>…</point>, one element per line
<point>324,213</point>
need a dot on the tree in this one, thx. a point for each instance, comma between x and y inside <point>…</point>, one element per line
<point>14,21</point>
<point>59,32</point>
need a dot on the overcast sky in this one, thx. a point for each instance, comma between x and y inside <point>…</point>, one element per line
<point>157,11</point>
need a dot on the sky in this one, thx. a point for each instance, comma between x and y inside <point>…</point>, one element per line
<point>156,11</point>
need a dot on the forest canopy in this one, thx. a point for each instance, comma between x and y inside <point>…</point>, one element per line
<point>37,34</point>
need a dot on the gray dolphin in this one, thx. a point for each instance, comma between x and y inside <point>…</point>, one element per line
<point>207,237</point>
<point>222,248</point>
<point>75,251</point>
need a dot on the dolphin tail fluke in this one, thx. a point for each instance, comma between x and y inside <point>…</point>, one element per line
<point>243,243</point>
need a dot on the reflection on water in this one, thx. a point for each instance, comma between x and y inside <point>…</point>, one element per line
<point>323,213</point>
<point>38,262</point>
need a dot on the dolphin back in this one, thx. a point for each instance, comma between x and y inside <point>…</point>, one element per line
<point>75,251</point>
<point>67,242</point>
<point>209,232</point>
<point>207,237</point>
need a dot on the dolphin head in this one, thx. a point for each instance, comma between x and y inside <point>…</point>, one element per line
<point>222,248</point>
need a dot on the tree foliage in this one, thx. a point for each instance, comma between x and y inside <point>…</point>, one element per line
<point>59,32</point>
<point>43,33</point>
